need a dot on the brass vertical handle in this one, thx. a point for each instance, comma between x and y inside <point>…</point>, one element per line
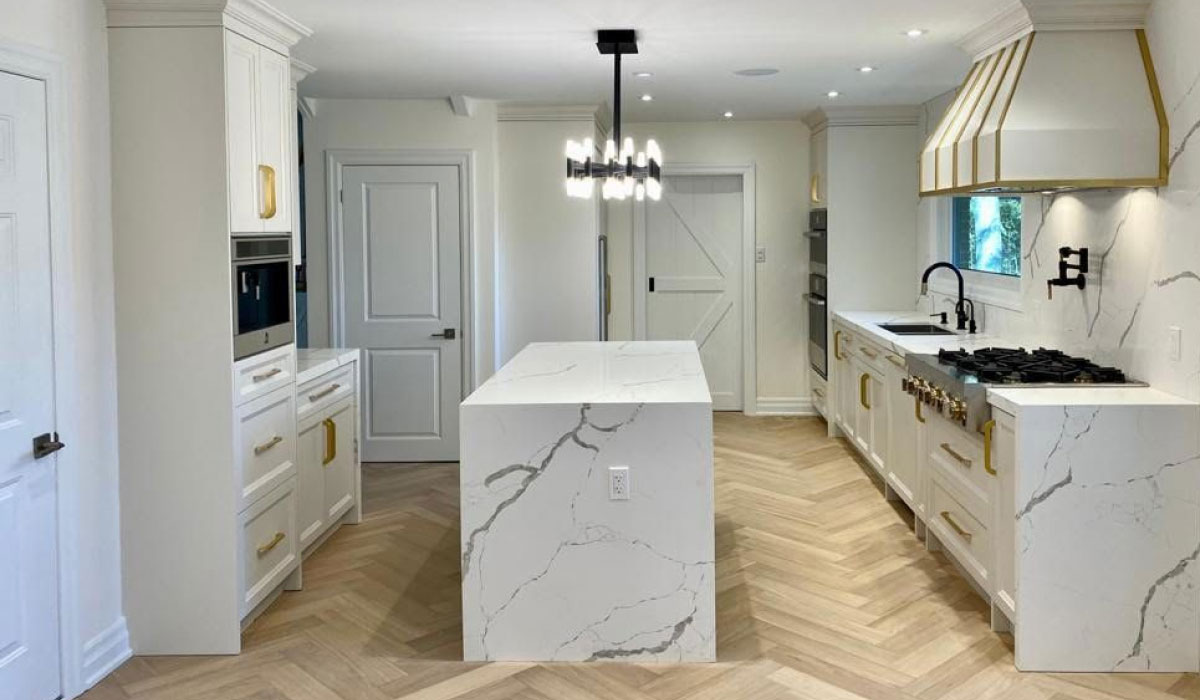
<point>917,410</point>
<point>814,189</point>
<point>837,348</point>
<point>988,427</point>
<point>267,173</point>
<point>862,391</point>
<point>330,441</point>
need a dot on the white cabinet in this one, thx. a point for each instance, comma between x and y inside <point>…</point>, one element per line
<point>904,434</point>
<point>1002,442</point>
<point>818,192</point>
<point>328,464</point>
<point>258,125</point>
<point>843,402</point>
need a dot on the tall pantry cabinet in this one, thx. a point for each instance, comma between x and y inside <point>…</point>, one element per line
<point>202,151</point>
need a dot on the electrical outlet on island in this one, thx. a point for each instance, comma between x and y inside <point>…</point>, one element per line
<point>618,483</point>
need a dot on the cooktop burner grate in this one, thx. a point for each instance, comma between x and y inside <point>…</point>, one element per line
<point>1021,366</point>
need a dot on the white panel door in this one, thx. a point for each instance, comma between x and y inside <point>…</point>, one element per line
<point>29,665</point>
<point>694,275</point>
<point>274,111</point>
<point>245,191</point>
<point>401,297</point>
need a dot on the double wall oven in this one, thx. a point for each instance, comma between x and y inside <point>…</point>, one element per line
<point>817,297</point>
<point>263,317</point>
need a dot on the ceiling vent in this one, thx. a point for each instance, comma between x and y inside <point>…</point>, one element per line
<point>1062,96</point>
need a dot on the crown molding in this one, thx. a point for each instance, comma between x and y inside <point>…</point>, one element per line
<point>1020,17</point>
<point>1009,24</point>
<point>255,18</point>
<point>300,69</point>
<point>905,115</point>
<point>541,112</point>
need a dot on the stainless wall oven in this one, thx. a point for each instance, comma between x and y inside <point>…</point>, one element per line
<point>818,327</point>
<point>263,316</point>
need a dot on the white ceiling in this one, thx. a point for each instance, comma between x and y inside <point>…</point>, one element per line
<point>544,51</point>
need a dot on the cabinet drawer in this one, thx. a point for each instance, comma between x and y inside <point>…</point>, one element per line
<point>268,544</point>
<point>871,354</point>
<point>820,398</point>
<point>959,457</point>
<point>264,373</point>
<point>961,532</point>
<point>266,444</point>
<point>327,389</point>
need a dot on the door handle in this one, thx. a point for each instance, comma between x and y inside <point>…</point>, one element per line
<point>652,284</point>
<point>46,444</point>
<point>268,205</point>
<point>448,334</point>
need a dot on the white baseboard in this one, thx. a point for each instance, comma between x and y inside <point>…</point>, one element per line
<point>106,651</point>
<point>785,406</point>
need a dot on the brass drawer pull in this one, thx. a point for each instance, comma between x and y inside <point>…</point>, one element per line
<point>917,409</point>
<point>988,427</point>
<point>266,548</point>
<point>957,528</point>
<point>899,362</point>
<point>267,173</point>
<point>820,394</point>
<point>868,352</point>
<point>862,391</point>
<point>959,458</point>
<point>266,375</point>
<point>259,449</point>
<point>324,392</point>
<point>330,441</point>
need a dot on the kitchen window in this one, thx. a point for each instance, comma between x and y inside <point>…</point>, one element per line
<point>986,234</point>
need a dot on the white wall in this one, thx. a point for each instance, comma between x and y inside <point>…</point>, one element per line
<point>547,242</point>
<point>1145,244</point>
<point>74,31</point>
<point>779,151</point>
<point>404,124</point>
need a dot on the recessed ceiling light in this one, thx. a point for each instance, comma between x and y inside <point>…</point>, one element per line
<point>756,72</point>
<point>833,94</point>
<point>647,97</point>
<point>729,115</point>
<point>914,33</point>
<point>866,69</point>
<point>643,74</point>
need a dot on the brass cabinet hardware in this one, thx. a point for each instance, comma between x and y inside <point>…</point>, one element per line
<point>268,175</point>
<point>266,375</point>
<point>324,392</point>
<point>814,189</point>
<point>266,548</point>
<point>988,427</point>
<point>820,394</point>
<point>899,362</point>
<point>868,352</point>
<point>957,528</point>
<point>917,409</point>
<point>330,441</point>
<point>862,391</point>
<point>959,458</point>
<point>837,348</point>
<point>259,449</point>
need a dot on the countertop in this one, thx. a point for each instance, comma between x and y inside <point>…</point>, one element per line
<point>1009,400</point>
<point>596,373</point>
<point>313,362</point>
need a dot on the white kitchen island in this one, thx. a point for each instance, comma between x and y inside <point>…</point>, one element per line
<point>553,567</point>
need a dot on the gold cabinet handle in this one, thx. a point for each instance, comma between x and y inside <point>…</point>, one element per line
<point>899,362</point>
<point>957,528</point>
<point>988,427</point>
<point>917,410</point>
<point>259,449</point>
<point>868,352</point>
<point>266,548</point>
<point>330,441</point>
<point>862,391</point>
<point>266,375</point>
<point>324,392</point>
<point>267,173</point>
<point>959,458</point>
<point>837,347</point>
<point>820,394</point>
<point>814,189</point>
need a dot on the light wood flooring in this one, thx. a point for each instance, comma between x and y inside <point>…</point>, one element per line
<point>824,593</point>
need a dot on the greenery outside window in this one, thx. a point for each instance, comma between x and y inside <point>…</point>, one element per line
<point>986,234</point>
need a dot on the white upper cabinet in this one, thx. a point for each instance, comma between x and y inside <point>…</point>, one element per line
<point>257,113</point>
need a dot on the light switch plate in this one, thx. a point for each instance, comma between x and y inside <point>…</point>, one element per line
<point>760,255</point>
<point>1175,343</point>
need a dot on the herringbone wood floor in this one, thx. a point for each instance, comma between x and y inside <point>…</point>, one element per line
<point>823,593</point>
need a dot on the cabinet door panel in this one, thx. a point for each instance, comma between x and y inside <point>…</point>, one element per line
<point>241,60</point>
<point>274,145</point>
<point>878,417</point>
<point>339,473</point>
<point>902,441</point>
<point>310,510</point>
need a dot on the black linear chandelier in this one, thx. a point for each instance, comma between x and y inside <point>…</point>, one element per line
<point>625,173</point>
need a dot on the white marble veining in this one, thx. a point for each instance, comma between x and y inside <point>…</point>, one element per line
<point>1108,536</point>
<point>553,570</point>
<point>313,362</point>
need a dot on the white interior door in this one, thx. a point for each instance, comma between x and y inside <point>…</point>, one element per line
<point>29,665</point>
<point>401,296</point>
<point>694,275</point>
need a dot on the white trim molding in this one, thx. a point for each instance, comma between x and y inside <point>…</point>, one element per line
<point>464,160</point>
<point>749,270</point>
<point>254,18</point>
<point>903,115</point>
<point>106,651</point>
<point>1016,18</point>
<point>785,406</point>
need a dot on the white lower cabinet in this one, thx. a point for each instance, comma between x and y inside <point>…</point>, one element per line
<point>1003,461</point>
<point>904,432</point>
<point>328,466</point>
<point>268,544</point>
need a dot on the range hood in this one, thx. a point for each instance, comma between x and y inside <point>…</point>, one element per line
<point>1062,96</point>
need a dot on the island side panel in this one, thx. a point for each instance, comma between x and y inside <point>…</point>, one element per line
<point>553,570</point>
<point>1108,536</point>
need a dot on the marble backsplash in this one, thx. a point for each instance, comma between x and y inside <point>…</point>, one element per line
<point>1144,244</point>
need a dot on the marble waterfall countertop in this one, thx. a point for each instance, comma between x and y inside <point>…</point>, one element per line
<point>313,362</point>
<point>596,373</point>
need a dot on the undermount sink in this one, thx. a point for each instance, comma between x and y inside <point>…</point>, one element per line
<point>915,329</point>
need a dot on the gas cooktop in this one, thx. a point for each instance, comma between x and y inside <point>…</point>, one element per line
<point>1021,366</point>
